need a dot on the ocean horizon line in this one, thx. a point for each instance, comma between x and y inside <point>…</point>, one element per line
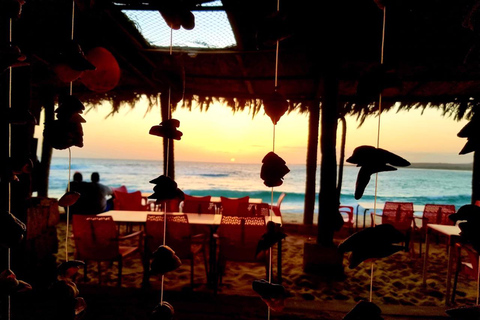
<point>413,165</point>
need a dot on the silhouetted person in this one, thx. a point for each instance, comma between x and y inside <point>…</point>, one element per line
<point>80,186</point>
<point>98,195</point>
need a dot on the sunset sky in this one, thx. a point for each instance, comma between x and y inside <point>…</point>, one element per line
<point>219,135</point>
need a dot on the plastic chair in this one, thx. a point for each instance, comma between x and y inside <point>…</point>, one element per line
<point>96,239</point>
<point>347,215</point>
<point>238,240</point>
<point>179,237</point>
<point>276,208</point>
<point>192,204</point>
<point>133,201</point>
<point>400,215</point>
<point>468,266</point>
<point>437,214</point>
<point>231,206</point>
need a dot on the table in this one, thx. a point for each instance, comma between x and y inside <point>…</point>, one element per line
<point>453,234</point>
<point>206,219</point>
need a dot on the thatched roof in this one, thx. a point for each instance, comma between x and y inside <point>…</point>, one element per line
<point>431,52</point>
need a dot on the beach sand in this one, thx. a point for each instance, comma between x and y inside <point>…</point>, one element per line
<point>397,279</point>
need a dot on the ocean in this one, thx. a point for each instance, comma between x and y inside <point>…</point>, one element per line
<point>417,185</point>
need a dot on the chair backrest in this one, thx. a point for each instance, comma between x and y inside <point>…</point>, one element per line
<point>469,261</point>
<point>398,214</point>
<point>192,204</point>
<point>347,214</point>
<point>438,214</point>
<point>177,235</point>
<point>230,206</point>
<point>96,238</point>
<point>122,188</point>
<point>128,201</point>
<point>261,210</point>
<point>239,237</point>
<point>276,208</point>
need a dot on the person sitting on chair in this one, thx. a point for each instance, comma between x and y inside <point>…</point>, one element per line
<point>98,195</point>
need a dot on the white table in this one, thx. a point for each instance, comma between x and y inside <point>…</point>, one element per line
<point>453,234</point>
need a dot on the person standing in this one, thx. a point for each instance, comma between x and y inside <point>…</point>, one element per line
<point>98,194</point>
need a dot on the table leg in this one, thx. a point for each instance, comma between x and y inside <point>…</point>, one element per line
<point>279,262</point>
<point>212,265</point>
<point>425,261</point>
<point>449,271</point>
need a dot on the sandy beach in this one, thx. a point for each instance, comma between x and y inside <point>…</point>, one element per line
<point>397,279</point>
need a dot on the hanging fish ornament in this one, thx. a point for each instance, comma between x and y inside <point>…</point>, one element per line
<point>273,235</point>
<point>65,294</point>
<point>66,131</point>
<point>167,129</point>
<point>275,106</point>
<point>272,294</point>
<point>364,310</point>
<point>11,56</point>
<point>372,243</point>
<point>165,189</point>
<point>12,230</point>
<point>471,132</point>
<point>69,199</point>
<point>273,170</point>
<point>9,284</point>
<point>468,218</point>
<point>176,14</point>
<point>162,311</point>
<point>373,160</point>
<point>164,260</point>
<point>69,61</point>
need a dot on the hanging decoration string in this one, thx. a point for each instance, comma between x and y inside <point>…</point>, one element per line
<point>69,151</point>
<point>378,145</point>
<point>166,169</point>
<point>9,156</point>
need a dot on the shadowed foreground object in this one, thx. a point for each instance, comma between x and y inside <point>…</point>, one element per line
<point>373,160</point>
<point>164,260</point>
<point>273,235</point>
<point>165,189</point>
<point>167,129</point>
<point>470,216</point>
<point>9,284</point>
<point>162,311</point>
<point>364,310</point>
<point>465,313</point>
<point>374,242</point>
<point>12,230</point>
<point>68,199</point>
<point>471,132</point>
<point>275,106</point>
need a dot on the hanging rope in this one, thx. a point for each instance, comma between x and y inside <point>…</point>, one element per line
<point>67,232</point>
<point>378,145</point>
<point>9,156</point>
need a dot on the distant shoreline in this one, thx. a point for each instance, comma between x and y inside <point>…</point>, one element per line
<point>445,166</point>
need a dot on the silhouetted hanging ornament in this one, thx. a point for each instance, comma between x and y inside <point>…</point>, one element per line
<point>11,56</point>
<point>176,14</point>
<point>273,235</point>
<point>469,217</point>
<point>11,9</point>
<point>275,106</point>
<point>68,199</point>
<point>15,167</point>
<point>12,230</point>
<point>67,130</point>
<point>162,311</point>
<point>165,189</point>
<point>69,61</point>
<point>471,132</point>
<point>20,117</point>
<point>273,170</point>
<point>65,294</point>
<point>107,73</point>
<point>272,294</point>
<point>372,243</point>
<point>164,260</point>
<point>375,81</point>
<point>167,129</point>
<point>364,310</point>
<point>373,160</point>
<point>275,27</point>
<point>9,284</point>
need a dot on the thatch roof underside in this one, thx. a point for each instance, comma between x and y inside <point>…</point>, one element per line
<point>431,52</point>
